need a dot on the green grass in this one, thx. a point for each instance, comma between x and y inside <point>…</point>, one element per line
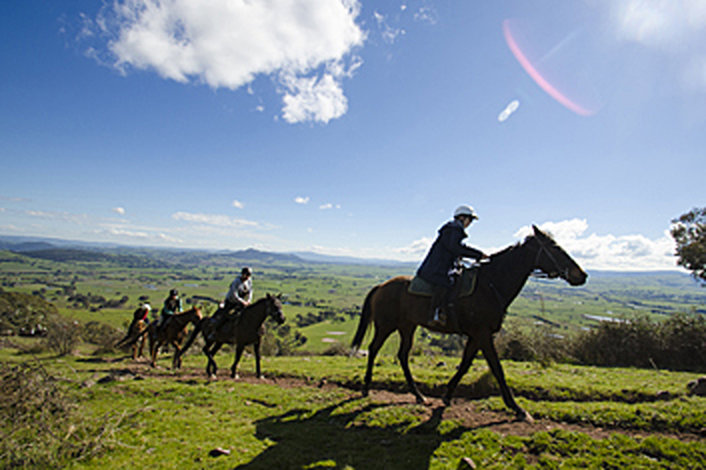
<point>171,420</point>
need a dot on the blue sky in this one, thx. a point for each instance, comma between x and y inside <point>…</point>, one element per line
<point>354,127</point>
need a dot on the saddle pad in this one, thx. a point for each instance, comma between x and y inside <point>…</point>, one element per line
<point>466,284</point>
<point>419,286</point>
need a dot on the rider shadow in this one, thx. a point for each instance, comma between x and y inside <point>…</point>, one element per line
<point>354,439</point>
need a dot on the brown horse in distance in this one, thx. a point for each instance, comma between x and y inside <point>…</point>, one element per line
<point>244,330</point>
<point>135,333</point>
<point>172,332</point>
<point>479,315</point>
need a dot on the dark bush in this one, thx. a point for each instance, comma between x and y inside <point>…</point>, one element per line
<point>677,343</point>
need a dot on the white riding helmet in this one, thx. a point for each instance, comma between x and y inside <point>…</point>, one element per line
<point>147,307</point>
<point>465,210</point>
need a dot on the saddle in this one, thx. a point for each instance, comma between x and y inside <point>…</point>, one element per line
<point>465,284</point>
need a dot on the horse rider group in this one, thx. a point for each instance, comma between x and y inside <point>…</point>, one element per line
<point>439,268</point>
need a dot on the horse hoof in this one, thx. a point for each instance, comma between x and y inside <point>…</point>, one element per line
<point>421,400</point>
<point>235,376</point>
<point>447,401</point>
<point>365,393</point>
<point>212,377</point>
<point>522,415</point>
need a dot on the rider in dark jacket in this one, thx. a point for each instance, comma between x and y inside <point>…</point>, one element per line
<point>172,306</point>
<point>446,250</point>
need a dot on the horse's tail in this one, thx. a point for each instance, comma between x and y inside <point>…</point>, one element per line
<point>366,316</point>
<point>197,329</point>
<point>127,341</point>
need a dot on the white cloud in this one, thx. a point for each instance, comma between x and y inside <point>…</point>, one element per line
<point>227,44</point>
<point>119,210</point>
<point>677,28</point>
<point>389,34</point>
<point>213,219</point>
<point>328,206</point>
<point>237,204</point>
<point>417,248</point>
<point>610,252</point>
<point>659,23</point>
<point>301,200</point>
<point>509,109</point>
<point>427,15</point>
<point>313,99</point>
<point>61,216</point>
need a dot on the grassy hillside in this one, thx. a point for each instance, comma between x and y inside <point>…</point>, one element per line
<point>308,413</point>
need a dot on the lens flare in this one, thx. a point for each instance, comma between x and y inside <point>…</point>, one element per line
<point>543,83</point>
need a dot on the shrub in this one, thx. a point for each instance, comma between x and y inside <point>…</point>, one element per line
<point>62,336</point>
<point>23,313</point>
<point>677,343</point>
<point>40,422</point>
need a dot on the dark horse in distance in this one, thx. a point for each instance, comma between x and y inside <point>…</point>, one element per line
<point>242,331</point>
<point>479,315</point>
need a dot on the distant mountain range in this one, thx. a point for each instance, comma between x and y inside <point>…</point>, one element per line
<point>70,250</point>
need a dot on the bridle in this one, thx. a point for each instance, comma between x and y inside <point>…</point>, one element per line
<point>559,271</point>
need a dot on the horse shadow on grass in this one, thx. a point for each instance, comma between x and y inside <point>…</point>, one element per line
<point>360,438</point>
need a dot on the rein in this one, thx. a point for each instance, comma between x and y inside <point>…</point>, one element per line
<point>558,272</point>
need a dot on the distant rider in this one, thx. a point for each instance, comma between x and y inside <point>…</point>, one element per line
<point>238,297</point>
<point>438,266</point>
<point>140,314</point>
<point>172,306</point>
<point>239,294</point>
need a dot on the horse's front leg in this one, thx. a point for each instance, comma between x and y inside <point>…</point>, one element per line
<point>406,340</point>
<point>491,356</point>
<point>238,353</point>
<point>212,359</point>
<point>469,353</point>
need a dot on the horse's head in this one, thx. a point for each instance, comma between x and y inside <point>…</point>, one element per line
<point>553,261</point>
<point>274,307</point>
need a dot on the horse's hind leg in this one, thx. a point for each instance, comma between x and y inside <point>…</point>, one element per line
<point>406,340</point>
<point>491,356</point>
<point>238,354</point>
<point>211,368</point>
<point>469,353</point>
<point>375,345</point>
<point>176,360</point>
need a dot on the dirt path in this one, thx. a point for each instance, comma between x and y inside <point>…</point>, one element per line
<point>466,412</point>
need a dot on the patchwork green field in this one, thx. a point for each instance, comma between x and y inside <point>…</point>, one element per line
<point>320,297</point>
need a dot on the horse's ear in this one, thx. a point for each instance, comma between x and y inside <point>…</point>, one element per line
<point>537,232</point>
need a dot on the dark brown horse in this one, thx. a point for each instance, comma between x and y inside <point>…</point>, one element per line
<point>172,332</point>
<point>244,330</point>
<point>479,315</point>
